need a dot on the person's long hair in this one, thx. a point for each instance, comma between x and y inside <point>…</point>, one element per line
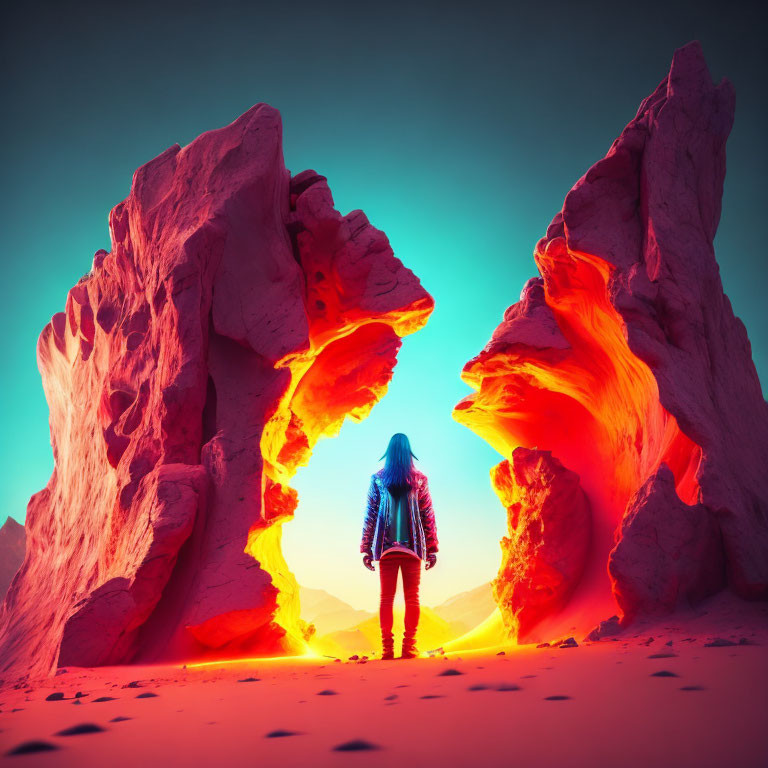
<point>398,467</point>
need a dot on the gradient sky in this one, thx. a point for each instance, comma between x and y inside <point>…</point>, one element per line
<point>458,129</point>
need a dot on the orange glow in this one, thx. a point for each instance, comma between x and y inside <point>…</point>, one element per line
<point>248,661</point>
<point>594,405</point>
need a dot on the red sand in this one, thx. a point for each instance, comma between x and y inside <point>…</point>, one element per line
<point>617,714</point>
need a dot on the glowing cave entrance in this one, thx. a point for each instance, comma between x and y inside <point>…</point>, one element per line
<point>558,393</point>
<point>343,375</point>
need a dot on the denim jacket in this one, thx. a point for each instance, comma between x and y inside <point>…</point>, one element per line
<point>421,517</point>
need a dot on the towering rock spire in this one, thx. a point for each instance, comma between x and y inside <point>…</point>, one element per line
<point>626,362</point>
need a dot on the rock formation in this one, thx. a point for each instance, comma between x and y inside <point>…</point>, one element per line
<point>236,319</point>
<point>625,361</point>
<point>550,526</point>
<point>663,543</point>
<point>12,539</point>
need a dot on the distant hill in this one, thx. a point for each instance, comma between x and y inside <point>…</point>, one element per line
<point>12,544</point>
<point>327,612</point>
<point>365,638</point>
<point>468,609</point>
<point>343,630</point>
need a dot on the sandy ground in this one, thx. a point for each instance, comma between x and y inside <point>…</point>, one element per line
<point>470,709</point>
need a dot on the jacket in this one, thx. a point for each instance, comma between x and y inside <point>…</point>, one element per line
<point>421,517</point>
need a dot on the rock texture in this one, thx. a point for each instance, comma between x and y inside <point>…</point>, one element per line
<point>625,360</point>
<point>12,543</point>
<point>669,553</point>
<point>550,527</point>
<point>236,319</point>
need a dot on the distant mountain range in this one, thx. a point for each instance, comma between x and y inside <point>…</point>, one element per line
<point>327,612</point>
<point>339,628</point>
<point>365,637</point>
<point>468,609</point>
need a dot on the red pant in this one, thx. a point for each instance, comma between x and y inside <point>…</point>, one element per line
<point>388,568</point>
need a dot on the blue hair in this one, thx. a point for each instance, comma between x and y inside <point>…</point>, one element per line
<point>398,466</point>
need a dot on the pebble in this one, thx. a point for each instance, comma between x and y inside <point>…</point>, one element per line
<point>355,745</point>
<point>57,696</point>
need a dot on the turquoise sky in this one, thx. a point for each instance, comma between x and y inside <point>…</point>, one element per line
<point>458,130</point>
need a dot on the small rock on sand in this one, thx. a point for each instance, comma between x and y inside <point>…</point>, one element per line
<point>663,673</point>
<point>57,696</point>
<point>606,628</point>
<point>450,672</point>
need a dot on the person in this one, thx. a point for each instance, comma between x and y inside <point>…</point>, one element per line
<point>399,531</point>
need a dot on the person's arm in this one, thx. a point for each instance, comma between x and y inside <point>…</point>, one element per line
<point>427,515</point>
<point>369,524</point>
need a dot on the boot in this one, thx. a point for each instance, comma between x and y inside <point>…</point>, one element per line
<point>387,646</point>
<point>410,651</point>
